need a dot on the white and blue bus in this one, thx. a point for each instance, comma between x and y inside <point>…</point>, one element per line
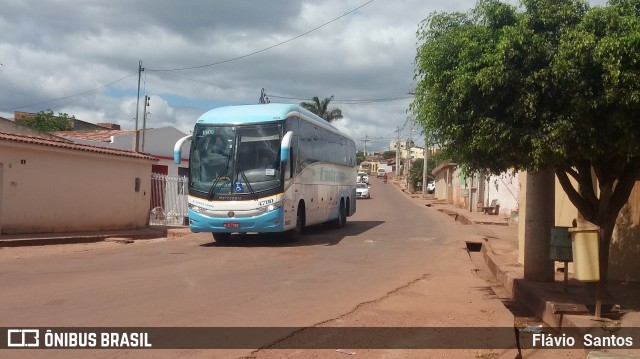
<point>268,168</point>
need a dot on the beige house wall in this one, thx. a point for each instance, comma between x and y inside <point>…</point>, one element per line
<point>444,176</point>
<point>625,244</point>
<point>566,212</point>
<point>522,213</point>
<point>49,189</point>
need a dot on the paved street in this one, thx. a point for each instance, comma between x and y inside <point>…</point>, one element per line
<point>394,264</point>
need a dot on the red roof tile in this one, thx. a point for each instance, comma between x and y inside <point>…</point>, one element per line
<point>93,135</point>
<point>73,146</point>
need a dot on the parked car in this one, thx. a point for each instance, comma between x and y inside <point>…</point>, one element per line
<point>363,177</point>
<point>431,187</point>
<point>381,172</point>
<point>362,191</point>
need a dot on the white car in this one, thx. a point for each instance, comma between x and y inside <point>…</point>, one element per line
<point>362,191</point>
<point>431,187</point>
<point>363,177</point>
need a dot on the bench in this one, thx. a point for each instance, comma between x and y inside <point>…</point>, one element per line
<point>494,208</point>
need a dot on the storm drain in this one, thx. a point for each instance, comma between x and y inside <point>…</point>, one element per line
<point>474,246</point>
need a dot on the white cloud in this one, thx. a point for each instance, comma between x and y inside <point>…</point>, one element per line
<point>54,52</point>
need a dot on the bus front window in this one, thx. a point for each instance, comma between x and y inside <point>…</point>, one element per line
<point>212,159</point>
<point>259,157</point>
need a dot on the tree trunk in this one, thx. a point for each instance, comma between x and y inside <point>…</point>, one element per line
<point>615,185</point>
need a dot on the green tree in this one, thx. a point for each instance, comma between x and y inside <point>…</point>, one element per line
<point>555,85</point>
<point>321,108</point>
<point>389,155</point>
<point>46,121</point>
<point>415,173</point>
<point>359,157</point>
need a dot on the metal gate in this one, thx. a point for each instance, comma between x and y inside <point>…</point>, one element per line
<point>168,200</point>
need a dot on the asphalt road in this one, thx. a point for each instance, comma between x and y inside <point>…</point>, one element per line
<point>390,247</point>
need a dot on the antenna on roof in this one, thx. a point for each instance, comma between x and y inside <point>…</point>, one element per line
<point>263,96</point>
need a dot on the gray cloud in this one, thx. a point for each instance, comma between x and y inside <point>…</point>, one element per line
<point>53,49</point>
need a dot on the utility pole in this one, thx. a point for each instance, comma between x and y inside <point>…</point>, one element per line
<point>137,138</point>
<point>424,166</point>
<point>144,119</point>
<point>365,140</point>
<point>398,152</point>
<point>408,160</point>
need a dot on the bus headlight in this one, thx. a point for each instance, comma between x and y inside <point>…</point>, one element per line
<point>195,208</point>
<point>271,207</point>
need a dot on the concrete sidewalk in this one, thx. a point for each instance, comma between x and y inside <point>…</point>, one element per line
<point>546,300</point>
<point>43,239</point>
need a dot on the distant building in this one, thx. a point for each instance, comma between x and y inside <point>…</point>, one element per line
<point>158,142</point>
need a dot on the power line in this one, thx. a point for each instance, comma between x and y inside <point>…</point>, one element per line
<point>347,102</point>
<point>266,48</point>
<point>360,101</point>
<point>342,101</point>
<point>74,95</point>
<point>221,62</point>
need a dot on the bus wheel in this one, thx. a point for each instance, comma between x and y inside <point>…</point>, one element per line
<point>341,221</point>
<point>222,237</point>
<point>295,234</point>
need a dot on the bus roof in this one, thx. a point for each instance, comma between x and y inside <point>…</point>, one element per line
<point>260,113</point>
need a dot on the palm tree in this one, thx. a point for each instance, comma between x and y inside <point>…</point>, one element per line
<point>321,108</point>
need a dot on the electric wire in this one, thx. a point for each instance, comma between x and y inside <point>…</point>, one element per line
<point>208,65</point>
<point>70,96</point>
<point>266,48</point>
<point>275,96</point>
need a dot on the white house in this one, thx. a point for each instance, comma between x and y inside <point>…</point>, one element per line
<point>157,142</point>
<point>53,185</point>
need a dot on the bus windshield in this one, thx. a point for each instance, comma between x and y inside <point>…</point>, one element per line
<point>235,159</point>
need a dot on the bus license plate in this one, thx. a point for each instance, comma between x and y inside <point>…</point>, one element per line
<point>231,224</point>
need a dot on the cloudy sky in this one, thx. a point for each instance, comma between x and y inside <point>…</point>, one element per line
<point>82,57</point>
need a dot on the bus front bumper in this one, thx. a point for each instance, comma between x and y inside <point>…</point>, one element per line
<point>268,222</point>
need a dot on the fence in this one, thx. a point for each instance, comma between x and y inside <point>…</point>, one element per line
<point>168,200</point>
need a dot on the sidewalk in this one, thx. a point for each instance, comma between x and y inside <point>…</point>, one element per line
<point>42,239</point>
<point>546,300</point>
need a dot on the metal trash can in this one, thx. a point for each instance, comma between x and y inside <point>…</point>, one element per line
<point>584,243</point>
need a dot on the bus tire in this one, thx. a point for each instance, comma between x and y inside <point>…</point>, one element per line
<point>222,237</point>
<point>341,221</point>
<point>294,235</point>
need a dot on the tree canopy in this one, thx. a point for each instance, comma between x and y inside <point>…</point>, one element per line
<point>46,121</point>
<point>321,108</point>
<point>553,84</point>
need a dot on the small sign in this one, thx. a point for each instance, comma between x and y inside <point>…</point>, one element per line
<point>270,172</point>
<point>560,246</point>
<point>238,187</point>
<point>464,192</point>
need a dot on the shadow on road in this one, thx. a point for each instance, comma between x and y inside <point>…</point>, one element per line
<point>313,236</point>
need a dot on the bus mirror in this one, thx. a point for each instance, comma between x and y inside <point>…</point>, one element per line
<point>177,149</point>
<point>285,146</point>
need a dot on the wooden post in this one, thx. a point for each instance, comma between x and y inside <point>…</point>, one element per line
<point>566,276</point>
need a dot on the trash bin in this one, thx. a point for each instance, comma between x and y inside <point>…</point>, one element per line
<point>584,243</point>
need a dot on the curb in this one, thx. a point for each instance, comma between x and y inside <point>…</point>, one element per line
<point>71,238</point>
